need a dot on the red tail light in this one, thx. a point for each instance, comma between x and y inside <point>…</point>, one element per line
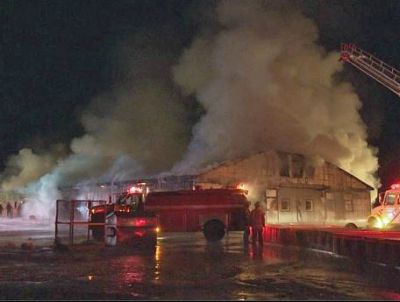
<point>97,210</point>
<point>143,222</point>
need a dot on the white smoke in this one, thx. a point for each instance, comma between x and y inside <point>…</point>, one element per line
<point>134,130</point>
<point>266,84</point>
<point>28,166</point>
<point>263,81</point>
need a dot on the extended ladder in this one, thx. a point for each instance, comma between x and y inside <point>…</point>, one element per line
<point>372,66</point>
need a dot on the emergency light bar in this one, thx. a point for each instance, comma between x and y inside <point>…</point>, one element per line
<point>395,186</point>
<point>135,189</point>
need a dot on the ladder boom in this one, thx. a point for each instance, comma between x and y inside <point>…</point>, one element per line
<point>372,66</point>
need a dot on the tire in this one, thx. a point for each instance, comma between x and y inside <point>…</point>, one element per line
<point>214,230</point>
<point>351,226</point>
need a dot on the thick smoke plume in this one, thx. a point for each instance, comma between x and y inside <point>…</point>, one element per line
<point>266,84</point>
<point>28,166</point>
<point>135,130</point>
<point>263,81</point>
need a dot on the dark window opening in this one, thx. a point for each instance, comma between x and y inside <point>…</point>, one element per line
<point>309,171</point>
<point>309,205</point>
<point>298,163</point>
<point>284,164</point>
<point>390,199</point>
<point>285,205</point>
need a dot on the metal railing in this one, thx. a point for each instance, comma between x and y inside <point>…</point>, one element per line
<point>69,214</point>
<point>372,66</point>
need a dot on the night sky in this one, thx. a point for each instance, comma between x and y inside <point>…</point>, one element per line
<point>56,56</point>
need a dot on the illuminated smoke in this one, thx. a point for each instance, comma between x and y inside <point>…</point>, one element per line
<point>266,84</point>
<point>29,166</point>
<point>137,129</point>
<point>260,76</point>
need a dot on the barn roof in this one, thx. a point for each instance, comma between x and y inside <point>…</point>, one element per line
<point>242,158</point>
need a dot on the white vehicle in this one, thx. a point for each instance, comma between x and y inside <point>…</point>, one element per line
<point>387,214</point>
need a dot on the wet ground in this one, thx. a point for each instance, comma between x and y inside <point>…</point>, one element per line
<point>183,266</point>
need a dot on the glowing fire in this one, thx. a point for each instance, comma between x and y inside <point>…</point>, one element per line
<point>243,187</point>
<point>240,186</point>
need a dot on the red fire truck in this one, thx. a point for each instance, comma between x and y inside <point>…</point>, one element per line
<point>134,221</point>
<point>212,211</point>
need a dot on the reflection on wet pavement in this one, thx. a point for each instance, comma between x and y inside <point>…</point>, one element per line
<point>185,266</point>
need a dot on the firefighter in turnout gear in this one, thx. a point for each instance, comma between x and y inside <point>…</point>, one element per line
<point>257,223</point>
<point>246,232</point>
<point>9,210</point>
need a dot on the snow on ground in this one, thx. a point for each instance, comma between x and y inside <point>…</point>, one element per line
<point>24,224</point>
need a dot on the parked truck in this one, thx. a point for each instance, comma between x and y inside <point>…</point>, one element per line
<point>134,221</point>
<point>212,211</point>
<point>387,214</point>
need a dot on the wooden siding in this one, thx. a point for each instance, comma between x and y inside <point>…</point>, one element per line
<point>265,167</point>
<point>336,195</point>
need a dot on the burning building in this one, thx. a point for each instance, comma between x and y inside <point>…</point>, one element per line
<point>294,189</point>
<point>259,79</point>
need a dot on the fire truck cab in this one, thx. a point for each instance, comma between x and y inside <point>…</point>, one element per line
<point>387,214</point>
<point>136,222</point>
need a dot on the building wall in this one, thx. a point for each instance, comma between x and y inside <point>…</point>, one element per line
<point>294,190</point>
<point>296,205</point>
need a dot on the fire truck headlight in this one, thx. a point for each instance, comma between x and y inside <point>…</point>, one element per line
<point>385,221</point>
<point>379,224</point>
<point>158,229</point>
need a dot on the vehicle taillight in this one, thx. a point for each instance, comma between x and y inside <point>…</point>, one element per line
<point>142,222</point>
<point>96,210</point>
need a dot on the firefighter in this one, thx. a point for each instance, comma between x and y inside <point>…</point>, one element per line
<point>246,223</point>
<point>9,210</point>
<point>257,223</point>
<point>19,210</point>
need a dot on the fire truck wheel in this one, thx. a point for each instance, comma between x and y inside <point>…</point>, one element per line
<point>351,226</point>
<point>214,230</point>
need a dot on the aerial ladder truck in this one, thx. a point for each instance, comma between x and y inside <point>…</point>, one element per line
<point>387,214</point>
<point>385,74</point>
